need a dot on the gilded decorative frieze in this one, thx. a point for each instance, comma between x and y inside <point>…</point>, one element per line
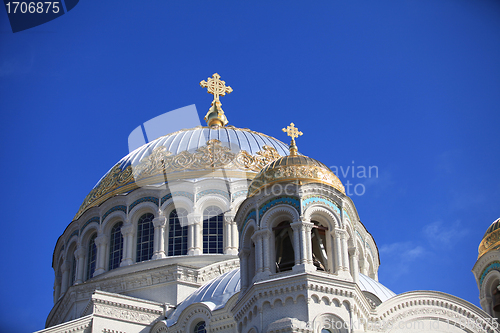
<point>156,167</point>
<point>303,173</point>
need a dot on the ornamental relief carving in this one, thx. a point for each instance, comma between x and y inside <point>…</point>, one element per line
<point>161,161</point>
<point>292,172</point>
<point>124,314</point>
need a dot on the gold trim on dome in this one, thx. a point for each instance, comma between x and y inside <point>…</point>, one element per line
<point>289,173</point>
<point>186,165</point>
<point>490,242</point>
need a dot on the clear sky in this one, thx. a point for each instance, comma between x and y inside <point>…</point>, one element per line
<point>410,87</point>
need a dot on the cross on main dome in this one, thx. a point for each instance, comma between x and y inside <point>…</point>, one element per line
<point>216,87</point>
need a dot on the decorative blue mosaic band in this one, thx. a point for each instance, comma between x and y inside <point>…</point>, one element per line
<point>114,209</point>
<point>74,233</point>
<point>239,194</point>
<point>94,219</point>
<point>188,195</point>
<point>207,192</point>
<point>141,200</point>
<point>308,201</point>
<point>292,201</point>
<point>251,215</point>
<point>494,266</point>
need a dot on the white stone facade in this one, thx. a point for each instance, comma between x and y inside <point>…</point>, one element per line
<point>306,264</point>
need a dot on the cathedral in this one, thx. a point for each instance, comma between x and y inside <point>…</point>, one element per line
<point>224,229</point>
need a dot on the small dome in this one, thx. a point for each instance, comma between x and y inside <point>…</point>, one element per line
<point>213,294</point>
<point>294,168</point>
<point>491,239</point>
<point>216,293</point>
<point>376,288</point>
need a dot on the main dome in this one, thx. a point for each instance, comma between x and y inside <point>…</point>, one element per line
<point>294,168</point>
<point>491,239</point>
<point>195,153</point>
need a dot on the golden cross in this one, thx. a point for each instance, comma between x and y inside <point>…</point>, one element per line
<point>292,132</point>
<point>216,87</point>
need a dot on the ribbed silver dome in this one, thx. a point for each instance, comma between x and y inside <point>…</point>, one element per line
<point>188,154</point>
<point>194,138</point>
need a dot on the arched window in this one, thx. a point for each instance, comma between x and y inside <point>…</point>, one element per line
<point>213,241</point>
<point>91,256</point>
<point>200,327</point>
<point>116,246</point>
<point>285,255</point>
<point>177,232</point>
<point>319,249</point>
<point>145,237</point>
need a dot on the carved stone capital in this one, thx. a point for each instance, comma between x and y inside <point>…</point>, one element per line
<point>159,222</point>
<point>194,218</point>
<point>65,266</point>
<point>257,235</point>
<point>296,226</point>
<point>127,229</point>
<point>305,219</point>
<point>228,219</point>
<point>79,252</point>
<point>101,240</point>
<point>353,251</point>
<point>339,233</point>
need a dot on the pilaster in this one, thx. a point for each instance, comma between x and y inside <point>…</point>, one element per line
<point>128,232</point>
<point>101,241</point>
<point>159,224</point>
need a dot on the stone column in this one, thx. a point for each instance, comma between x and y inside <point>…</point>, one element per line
<point>307,226</point>
<point>353,252</point>
<point>195,245</point>
<point>329,252</point>
<point>257,239</point>
<point>229,246</point>
<point>297,246</point>
<point>234,237</point>
<point>80,263</point>
<point>345,254</point>
<point>266,237</point>
<point>65,277</point>
<point>128,232</point>
<point>159,240</point>
<point>338,250</point>
<point>101,241</point>
<point>244,269</point>
<point>57,288</point>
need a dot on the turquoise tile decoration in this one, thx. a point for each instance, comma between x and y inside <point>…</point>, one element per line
<point>188,195</point>
<point>94,219</point>
<point>311,200</point>
<point>292,201</point>
<point>141,200</point>
<point>494,266</point>
<point>207,192</point>
<point>114,209</point>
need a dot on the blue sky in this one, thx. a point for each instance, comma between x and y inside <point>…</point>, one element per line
<point>411,87</point>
